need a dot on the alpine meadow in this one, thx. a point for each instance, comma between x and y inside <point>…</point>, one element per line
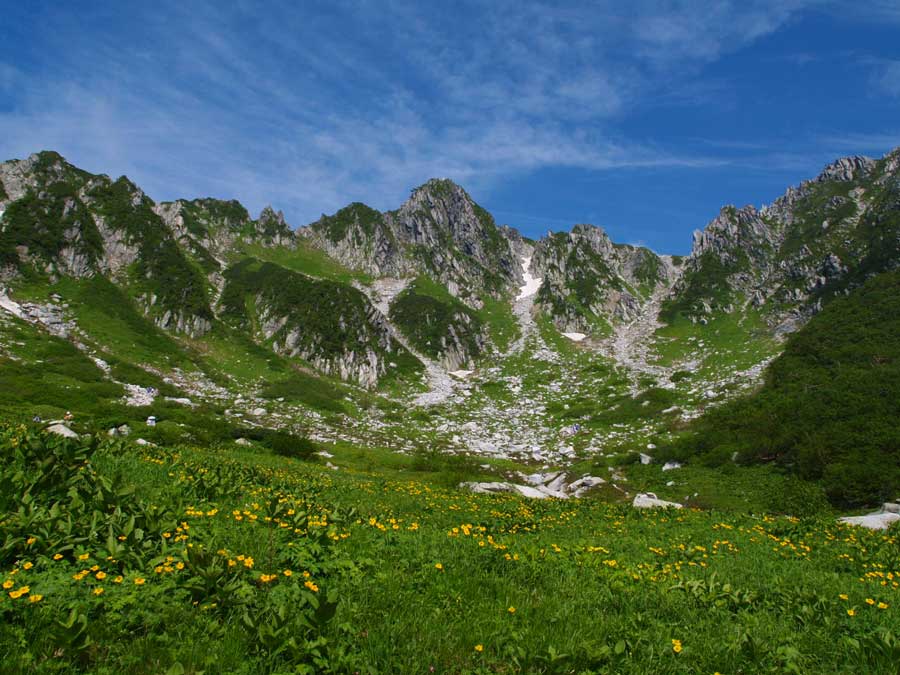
<point>407,437</point>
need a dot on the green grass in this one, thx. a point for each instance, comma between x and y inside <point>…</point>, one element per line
<point>112,321</point>
<point>305,259</point>
<point>502,326</point>
<point>44,375</point>
<point>730,341</point>
<point>405,576</point>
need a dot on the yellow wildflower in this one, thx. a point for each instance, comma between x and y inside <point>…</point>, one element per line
<point>438,566</point>
<point>850,612</point>
<point>7,584</point>
<point>37,597</point>
<point>311,586</point>
<point>479,648</point>
<point>100,576</point>
<point>28,565</point>
<point>98,590</point>
<point>58,556</point>
<point>139,581</point>
<point>511,610</point>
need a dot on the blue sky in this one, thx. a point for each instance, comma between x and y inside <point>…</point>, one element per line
<point>642,117</point>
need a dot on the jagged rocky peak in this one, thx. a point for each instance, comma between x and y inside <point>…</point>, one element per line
<point>272,227</point>
<point>456,240</point>
<point>205,217</point>
<point>20,176</point>
<point>358,236</point>
<point>847,169</point>
<point>789,257</point>
<point>734,230</point>
<point>439,231</point>
<point>47,224</point>
<point>59,220</point>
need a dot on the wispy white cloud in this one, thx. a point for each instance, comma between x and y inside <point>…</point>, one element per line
<point>888,79</point>
<point>310,106</point>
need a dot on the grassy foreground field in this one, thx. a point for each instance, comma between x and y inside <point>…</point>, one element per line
<point>124,558</point>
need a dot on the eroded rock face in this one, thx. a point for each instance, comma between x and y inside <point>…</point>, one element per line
<point>786,258</point>
<point>587,278</point>
<point>68,222</point>
<point>332,326</point>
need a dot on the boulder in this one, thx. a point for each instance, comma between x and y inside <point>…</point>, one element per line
<point>648,500</point>
<point>879,520</point>
<point>61,430</point>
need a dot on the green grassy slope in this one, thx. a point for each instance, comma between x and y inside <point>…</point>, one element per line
<point>830,405</point>
<point>427,313</point>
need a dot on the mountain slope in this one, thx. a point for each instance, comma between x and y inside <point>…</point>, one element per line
<point>828,410</point>
<point>331,325</point>
<point>589,282</point>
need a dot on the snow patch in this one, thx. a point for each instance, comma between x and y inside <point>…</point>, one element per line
<point>532,284</point>
<point>461,374</point>
<point>575,337</point>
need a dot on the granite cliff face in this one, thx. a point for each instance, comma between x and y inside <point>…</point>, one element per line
<point>66,222</point>
<point>330,325</point>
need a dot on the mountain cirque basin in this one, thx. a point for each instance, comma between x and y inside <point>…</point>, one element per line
<point>271,417</point>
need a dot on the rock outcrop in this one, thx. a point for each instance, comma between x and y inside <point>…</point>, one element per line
<point>589,281</point>
<point>440,231</point>
<point>332,326</point>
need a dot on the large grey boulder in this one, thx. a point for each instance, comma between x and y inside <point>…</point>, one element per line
<point>879,520</point>
<point>648,500</point>
<point>61,430</point>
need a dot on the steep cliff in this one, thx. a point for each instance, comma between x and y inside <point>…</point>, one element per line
<point>589,282</point>
<point>439,231</point>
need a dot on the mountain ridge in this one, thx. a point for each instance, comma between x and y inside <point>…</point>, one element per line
<point>781,261</point>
